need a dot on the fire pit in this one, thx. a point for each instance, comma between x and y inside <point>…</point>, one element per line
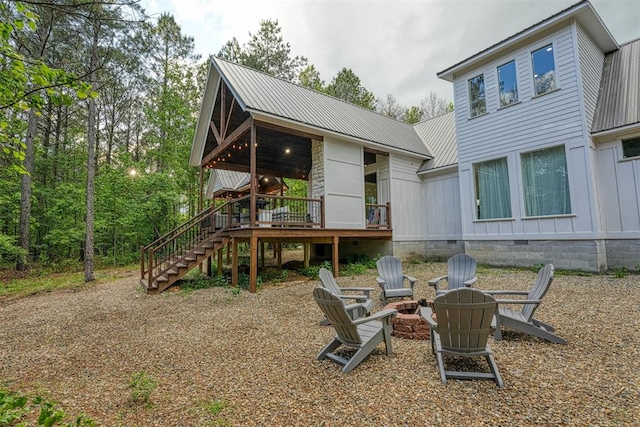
<point>408,323</point>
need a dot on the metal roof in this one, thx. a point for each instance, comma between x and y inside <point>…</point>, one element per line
<point>439,135</point>
<point>619,96</point>
<point>260,92</point>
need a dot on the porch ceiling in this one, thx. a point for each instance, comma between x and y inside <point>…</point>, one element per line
<point>280,152</point>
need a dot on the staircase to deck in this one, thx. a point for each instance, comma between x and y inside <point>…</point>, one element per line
<point>169,258</point>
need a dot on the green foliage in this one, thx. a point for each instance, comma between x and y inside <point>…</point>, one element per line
<point>296,188</point>
<point>142,385</point>
<point>621,272</point>
<point>12,407</point>
<point>537,267</point>
<point>9,252</point>
<point>202,282</point>
<point>346,85</point>
<point>363,259</point>
<point>14,410</point>
<point>216,406</point>
<point>313,271</point>
<point>265,51</point>
<point>244,281</point>
<point>412,115</point>
<point>310,77</point>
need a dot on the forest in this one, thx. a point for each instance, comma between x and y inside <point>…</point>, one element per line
<point>98,106</point>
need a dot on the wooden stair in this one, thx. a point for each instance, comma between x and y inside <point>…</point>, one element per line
<point>186,263</point>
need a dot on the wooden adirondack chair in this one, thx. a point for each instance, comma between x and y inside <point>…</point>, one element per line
<point>391,279</point>
<point>461,271</point>
<point>462,327</point>
<point>364,333</point>
<point>523,320</point>
<point>362,304</point>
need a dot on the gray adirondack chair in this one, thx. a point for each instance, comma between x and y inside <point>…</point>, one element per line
<point>464,321</point>
<point>461,271</point>
<point>523,320</point>
<point>364,333</point>
<point>392,280</point>
<point>362,304</point>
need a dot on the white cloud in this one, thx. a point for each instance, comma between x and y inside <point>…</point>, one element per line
<point>395,47</point>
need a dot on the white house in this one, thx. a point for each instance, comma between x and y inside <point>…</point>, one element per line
<point>539,162</point>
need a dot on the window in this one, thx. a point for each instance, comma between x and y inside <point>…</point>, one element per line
<point>493,199</point>
<point>546,182</point>
<point>544,70</point>
<point>507,84</point>
<point>631,147</point>
<point>477,104</point>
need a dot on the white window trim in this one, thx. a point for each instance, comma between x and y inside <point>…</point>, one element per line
<point>536,48</point>
<point>486,106</point>
<point>515,63</point>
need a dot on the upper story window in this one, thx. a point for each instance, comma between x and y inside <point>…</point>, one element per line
<point>493,199</point>
<point>507,84</point>
<point>477,101</point>
<point>544,70</point>
<point>631,147</point>
<point>546,182</point>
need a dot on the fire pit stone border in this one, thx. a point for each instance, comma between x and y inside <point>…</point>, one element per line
<point>408,323</point>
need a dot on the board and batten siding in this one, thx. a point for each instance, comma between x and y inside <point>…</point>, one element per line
<point>343,184</point>
<point>591,63</point>
<point>619,187</point>
<point>535,123</point>
<point>408,199</point>
<point>442,209</point>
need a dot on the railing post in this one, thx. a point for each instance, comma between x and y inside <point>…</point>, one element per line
<point>142,262</point>
<point>322,212</point>
<point>388,215</point>
<point>150,267</point>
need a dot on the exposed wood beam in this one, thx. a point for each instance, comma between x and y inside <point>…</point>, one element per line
<point>226,126</point>
<point>283,129</point>
<point>215,132</point>
<point>253,162</point>
<point>233,137</point>
<point>223,102</point>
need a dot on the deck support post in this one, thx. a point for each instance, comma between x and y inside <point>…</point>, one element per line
<point>210,266</point>
<point>234,264</point>
<point>262,254</point>
<point>253,269</point>
<point>279,254</point>
<point>307,250</point>
<point>229,253</point>
<point>220,262</point>
<point>334,255</point>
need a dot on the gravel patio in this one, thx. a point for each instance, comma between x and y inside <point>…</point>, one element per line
<point>255,353</point>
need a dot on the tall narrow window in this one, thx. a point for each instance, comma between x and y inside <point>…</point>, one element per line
<point>546,182</point>
<point>631,147</point>
<point>493,199</point>
<point>507,84</point>
<point>477,103</point>
<point>544,70</point>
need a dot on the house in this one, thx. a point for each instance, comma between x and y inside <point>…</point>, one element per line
<point>548,127</point>
<point>539,162</point>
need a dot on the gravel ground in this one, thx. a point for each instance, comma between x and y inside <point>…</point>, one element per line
<point>256,354</point>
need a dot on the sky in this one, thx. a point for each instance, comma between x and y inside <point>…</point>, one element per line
<point>395,46</point>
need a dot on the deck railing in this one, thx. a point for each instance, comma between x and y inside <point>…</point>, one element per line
<point>168,250</point>
<point>277,211</point>
<point>378,216</point>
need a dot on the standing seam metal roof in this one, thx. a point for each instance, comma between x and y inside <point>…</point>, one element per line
<point>439,135</point>
<point>264,93</point>
<point>619,96</point>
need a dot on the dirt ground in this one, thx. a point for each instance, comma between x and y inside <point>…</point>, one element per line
<point>249,359</point>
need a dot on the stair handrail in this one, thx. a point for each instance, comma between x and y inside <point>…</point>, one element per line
<point>173,235</point>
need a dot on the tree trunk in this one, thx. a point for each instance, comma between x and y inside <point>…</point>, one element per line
<point>91,160</point>
<point>25,189</point>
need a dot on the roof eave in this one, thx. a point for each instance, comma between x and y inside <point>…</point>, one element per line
<point>583,12</point>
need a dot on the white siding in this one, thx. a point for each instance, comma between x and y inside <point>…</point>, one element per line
<point>536,122</point>
<point>408,199</point>
<point>442,209</point>
<point>344,184</point>
<point>591,63</point>
<point>619,187</point>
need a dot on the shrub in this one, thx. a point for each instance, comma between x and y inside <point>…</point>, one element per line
<point>621,272</point>
<point>142,385</point>
<point>313,271</point>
